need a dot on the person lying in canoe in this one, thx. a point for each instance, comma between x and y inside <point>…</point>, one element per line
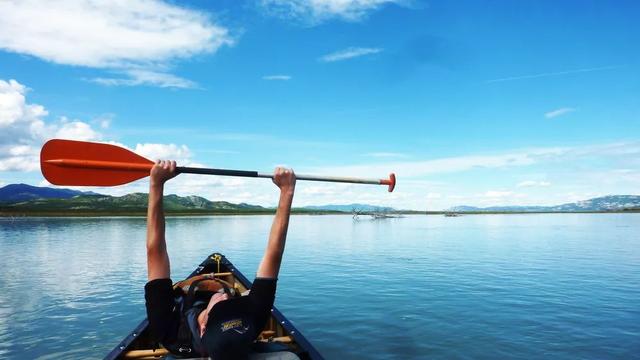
<point>225,327</point>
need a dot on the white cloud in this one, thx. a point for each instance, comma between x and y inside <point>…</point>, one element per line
<point>497,194</point>
<point>349,53</point>
<point>23,129</point>
<point>13,108</point>
<point>433,196</point>
<point>317,11</point>
<point>309,193</point>
<point>276,77</point>
<point>323,190</point>
<point>565,164</point>
<point>559,112</point>
<point>180,153</point>
<point>532,183</point>
<point>232,189</point>
<point>77,130</point>
<point>489,198</point>
<point>27,160</point>
<point>139,38</point>
<point>104,121</point>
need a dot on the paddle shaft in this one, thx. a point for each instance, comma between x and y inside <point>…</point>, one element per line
<point>243,173</point>
<point>124,166</point>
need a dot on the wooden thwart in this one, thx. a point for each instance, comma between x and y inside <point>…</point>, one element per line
<point>279,339</point>
<point>142,354</point>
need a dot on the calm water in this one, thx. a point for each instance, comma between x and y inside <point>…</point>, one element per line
<point>514,286</point>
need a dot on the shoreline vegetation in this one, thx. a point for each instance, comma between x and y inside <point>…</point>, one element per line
<point>127,213</point>
<point>22,200</point>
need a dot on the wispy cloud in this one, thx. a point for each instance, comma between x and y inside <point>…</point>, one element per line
<point>419,193</point>
<point>497,194</point>
<point>559,112</point>
<point>349,53</point>
<point>277,77</point>
<point>557,73</point>
<point>317,11</point>
<point>415,192</point>
<point>507,159</point>
<point>385,155</point>
<point>532,183</point>
<point>230,137</point>
<point>138,38</point>
<point>217,151</point>
<point>450,164</point>
<point>149,78</point>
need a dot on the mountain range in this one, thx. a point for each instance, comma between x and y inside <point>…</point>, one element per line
<point>26,198</point>
<point>22,198</point>
<point>24,192</point>
<point>605,203</point>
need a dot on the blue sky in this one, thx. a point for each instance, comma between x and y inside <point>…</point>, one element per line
<point>469,102</point>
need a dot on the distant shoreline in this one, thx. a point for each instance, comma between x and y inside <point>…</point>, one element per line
<point>143,213</point>
<point>18,200</point>
<point>19,214</point>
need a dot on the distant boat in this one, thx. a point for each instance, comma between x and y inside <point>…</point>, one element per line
<point>385,216</point>
<point>374,215</point>
<point>452,214</point>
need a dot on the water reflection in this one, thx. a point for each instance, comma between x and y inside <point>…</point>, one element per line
<point>471,286</point>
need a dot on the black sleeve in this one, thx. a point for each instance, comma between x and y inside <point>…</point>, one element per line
<point>262,295</point>
<point>160,303</point>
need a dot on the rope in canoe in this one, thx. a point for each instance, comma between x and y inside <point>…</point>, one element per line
<point>217,259</point>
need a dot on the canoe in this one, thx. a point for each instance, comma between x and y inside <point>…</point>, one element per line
<point>279,333</point>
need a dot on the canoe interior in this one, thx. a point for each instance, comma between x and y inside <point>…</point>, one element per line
<point>278,333</point>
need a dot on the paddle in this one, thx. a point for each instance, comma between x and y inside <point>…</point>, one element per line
<point>69,162</point>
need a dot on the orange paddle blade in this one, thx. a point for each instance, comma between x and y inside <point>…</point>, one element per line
<point>80,163</point>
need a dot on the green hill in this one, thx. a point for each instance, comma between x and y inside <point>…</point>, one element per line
<point>130,204</point>
<point>27,200</point>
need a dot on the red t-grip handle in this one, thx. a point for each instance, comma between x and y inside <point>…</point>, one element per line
<point>391,182</point>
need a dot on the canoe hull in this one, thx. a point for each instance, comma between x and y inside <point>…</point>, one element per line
<point>279,330</point>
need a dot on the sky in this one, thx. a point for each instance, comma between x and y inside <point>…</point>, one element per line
<point>469,102</point>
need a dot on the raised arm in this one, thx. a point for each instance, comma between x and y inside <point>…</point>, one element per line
<point>157,257</point>
<point>269,267</point>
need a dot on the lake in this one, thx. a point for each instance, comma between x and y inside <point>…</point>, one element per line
<point>561,286</point>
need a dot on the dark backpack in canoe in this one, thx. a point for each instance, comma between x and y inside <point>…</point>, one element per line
<point>187,292</point>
